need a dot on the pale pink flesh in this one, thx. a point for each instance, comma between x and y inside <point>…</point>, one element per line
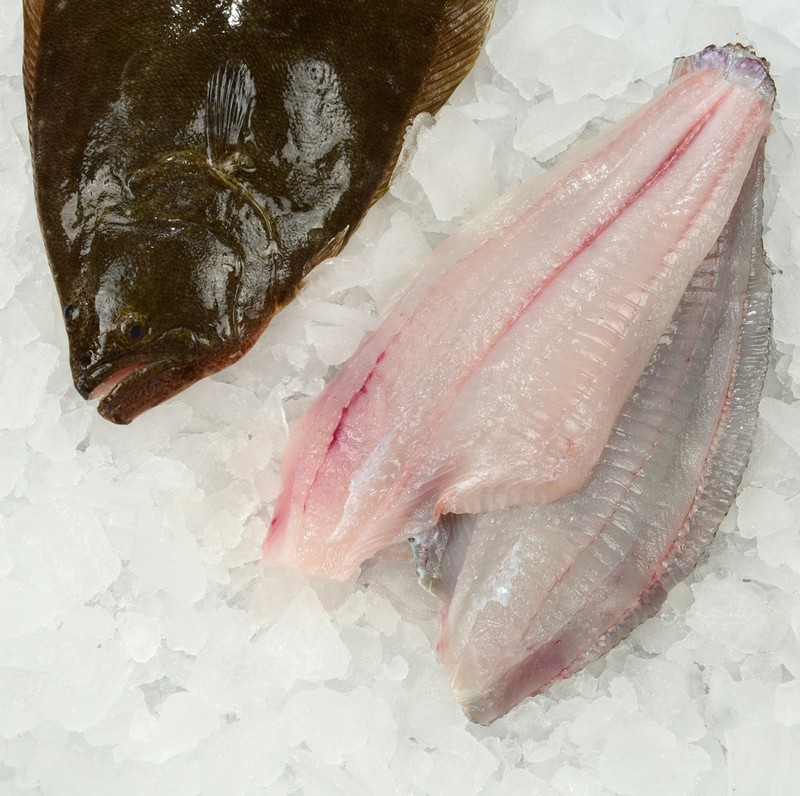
<point>532,594</point>
<point>496,379</point>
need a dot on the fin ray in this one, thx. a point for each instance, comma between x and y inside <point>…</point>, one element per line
<point>32,11</point>
<point>330,249</point>
<point>463,29</point>
<point>229,105</point>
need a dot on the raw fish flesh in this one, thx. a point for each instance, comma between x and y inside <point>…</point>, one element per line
<point>496,379</point>
<point>194,160</point>
<point>530,595</point>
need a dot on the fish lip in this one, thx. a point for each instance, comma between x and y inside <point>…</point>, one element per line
<point>131,393</point>
<point>153,375</point>
<point>136,367</point>
<point>87,382</point>
<point>120,404</point>
<point>90,383</point>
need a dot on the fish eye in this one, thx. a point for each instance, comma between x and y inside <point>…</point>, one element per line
<point>133,326</point>
<point>71,312</point>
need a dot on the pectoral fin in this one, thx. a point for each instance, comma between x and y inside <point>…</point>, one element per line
<point>230,100</point>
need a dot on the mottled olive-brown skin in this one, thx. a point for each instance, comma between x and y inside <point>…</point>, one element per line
<point>172,244</point>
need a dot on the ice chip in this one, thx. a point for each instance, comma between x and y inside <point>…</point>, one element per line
<point>763,759</point>
<point>593,723</point>
<point>23,381</point>
<point>140,633</point>
<point>713,24</point>
<point>12,461</point>
<point>514,48</point>
<point>784,419</point>
<point>183,721</point>
<point>381,614</point>
<point>336,331</point>
<point>662,688</point>
<point>787,703</point>
<point>185,627</point>
<point>25,608</point>
<point>306,643</point>
<point>61,547</point>
<point>165,555</point>
<point>761,512</point>
<point>464,767</point>
<point>329,722</point>
<point>641,756</point>
<point>70,675</point>
<point>565,57</point>
<point>115,726</point>
<point>370,773</point>
<point>453,165</point>
<point>247,755</point>
<point>433,715</point>
<point>397,253</point>
<point>732,613</point>
<point>551,124</point>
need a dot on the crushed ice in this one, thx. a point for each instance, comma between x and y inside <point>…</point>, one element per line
<point>144,650</point>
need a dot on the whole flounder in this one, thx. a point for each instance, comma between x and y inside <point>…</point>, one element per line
<point>194,159</point>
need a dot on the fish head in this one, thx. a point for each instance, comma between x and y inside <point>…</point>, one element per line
<point>157,309</point>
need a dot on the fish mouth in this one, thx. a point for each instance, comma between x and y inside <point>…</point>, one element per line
<point>127,384</point>
<point>102,390</point>
<point>127,388</point>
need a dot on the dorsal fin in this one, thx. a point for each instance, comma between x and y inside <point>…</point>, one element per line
<point>463,29</point>
<point>231,96</point>
<point>32,15</point>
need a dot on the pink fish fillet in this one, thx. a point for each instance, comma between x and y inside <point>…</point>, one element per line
<point>496,378</point>
<point>532,594</point>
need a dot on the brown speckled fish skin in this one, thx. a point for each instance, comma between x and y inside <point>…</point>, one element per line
<point>195,159</point>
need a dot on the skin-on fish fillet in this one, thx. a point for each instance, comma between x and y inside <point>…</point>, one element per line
<point>496,379</point>
<point>532,594</point>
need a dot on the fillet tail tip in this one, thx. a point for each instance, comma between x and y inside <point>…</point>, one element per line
<point>738,62</point>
